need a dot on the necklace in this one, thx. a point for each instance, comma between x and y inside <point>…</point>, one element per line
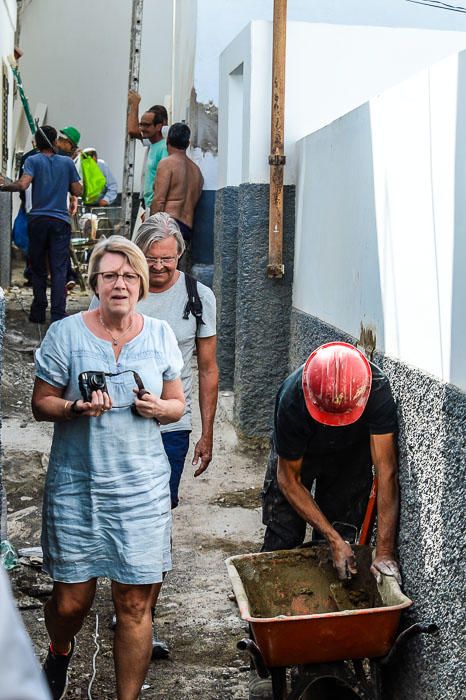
<point>115,340</point>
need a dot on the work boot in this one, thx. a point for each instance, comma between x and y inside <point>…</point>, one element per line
<point>259,688</point>
<point>56,672</point>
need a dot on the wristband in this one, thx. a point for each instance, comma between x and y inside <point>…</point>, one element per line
<point>73,408</point>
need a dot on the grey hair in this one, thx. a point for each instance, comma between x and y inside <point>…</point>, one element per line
<point>158,227</point>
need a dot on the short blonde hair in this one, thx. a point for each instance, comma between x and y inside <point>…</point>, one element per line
<point>133,254</point>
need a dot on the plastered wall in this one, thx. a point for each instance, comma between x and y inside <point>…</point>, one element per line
<point>380,221</point>
<point>330,70</point>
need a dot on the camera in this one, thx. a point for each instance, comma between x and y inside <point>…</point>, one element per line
<point>91,381</point>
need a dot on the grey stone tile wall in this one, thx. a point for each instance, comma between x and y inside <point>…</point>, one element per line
<point>2,500</point>
<point>431,541</point>
<point>225,281</point>
<point>263,309</point>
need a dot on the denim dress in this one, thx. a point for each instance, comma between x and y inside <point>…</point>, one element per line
<point>106,509</point>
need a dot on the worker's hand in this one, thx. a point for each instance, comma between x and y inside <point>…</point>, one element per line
<point>133,98</point>
<point>344,560</point>
<point>103,203</point>
<point>101,402</point>
<point>385,566</point>
<point>202,452</point>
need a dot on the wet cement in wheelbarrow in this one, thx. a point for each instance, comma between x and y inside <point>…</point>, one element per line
<point>304,582</point>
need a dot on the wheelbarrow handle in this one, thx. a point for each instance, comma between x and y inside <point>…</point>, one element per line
<point>369,518</point>
<point>417,628</point>
<point>256,657</point>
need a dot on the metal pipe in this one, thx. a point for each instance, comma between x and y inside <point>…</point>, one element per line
<point>133,84</point>
<point>277,159</point>
<point>256,656</point>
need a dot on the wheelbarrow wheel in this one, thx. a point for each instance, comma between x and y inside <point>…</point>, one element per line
<point>324,689</point>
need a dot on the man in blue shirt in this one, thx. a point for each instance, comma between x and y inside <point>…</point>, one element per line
<point>52,177</point>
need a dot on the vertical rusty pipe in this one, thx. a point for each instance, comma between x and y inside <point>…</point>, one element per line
<point>277,159</point>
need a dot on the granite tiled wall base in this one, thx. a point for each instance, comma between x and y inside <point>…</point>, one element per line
<point>225,281</point>
<point>431,542</point>
<point>3,515</point>
<point>263,309</point>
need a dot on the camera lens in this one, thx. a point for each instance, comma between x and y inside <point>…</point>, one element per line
<point>97,381</point>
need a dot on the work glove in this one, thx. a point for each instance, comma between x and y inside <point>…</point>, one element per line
<point>384,566</point>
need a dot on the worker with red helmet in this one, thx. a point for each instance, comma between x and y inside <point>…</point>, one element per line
<point>335,418</point>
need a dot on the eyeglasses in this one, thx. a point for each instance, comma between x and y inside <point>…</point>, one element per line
<point>160,261</point>
<point>129,278</point>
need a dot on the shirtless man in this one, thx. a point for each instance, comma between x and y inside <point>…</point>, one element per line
<point>178,182</point>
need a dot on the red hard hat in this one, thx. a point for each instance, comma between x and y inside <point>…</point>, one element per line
<point>337,381</point>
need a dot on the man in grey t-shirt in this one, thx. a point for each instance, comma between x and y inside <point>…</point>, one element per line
<point>161,242</point>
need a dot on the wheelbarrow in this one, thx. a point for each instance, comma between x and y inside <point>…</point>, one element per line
<point>300,615</point>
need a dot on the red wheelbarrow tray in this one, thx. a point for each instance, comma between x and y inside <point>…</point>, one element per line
<point>294,617</point>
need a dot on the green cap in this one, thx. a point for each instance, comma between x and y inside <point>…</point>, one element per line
<point>72,134</point>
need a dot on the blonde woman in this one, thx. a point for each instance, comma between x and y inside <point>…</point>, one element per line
<point>107,499</point>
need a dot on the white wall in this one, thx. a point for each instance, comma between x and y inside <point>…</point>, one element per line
<point>380,236</point>
<point>76,60</point>
<point>330,70</point>
<point>7,34</point>
<point>219,21</point>
<point>185,32</point>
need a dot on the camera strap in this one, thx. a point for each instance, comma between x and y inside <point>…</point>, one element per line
<point>137,379</point>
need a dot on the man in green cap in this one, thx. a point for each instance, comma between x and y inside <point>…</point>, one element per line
<point>68,142</point>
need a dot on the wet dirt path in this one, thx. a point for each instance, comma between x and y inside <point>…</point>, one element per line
<point>219,515</point>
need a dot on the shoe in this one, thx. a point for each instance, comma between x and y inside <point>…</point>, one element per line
<point>160,649</point>
<point>36,319</point>
<point>71,284</point>
<point>56,672</point>
<point>259,688</point>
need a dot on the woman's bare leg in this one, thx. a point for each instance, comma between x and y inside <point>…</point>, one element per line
<point>132,645</point>
<point>66,610</point>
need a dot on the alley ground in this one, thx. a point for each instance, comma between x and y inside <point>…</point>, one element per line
<point>219,516</point>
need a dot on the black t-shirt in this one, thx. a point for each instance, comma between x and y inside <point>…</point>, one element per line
<point>297,434</point>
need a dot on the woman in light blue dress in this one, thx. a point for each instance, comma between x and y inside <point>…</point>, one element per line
<point>106,506</point>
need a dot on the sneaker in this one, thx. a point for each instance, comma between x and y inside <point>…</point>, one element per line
<point>71,284</point>
<point>56,672</point>
<point>160,649</point>
<point>259,688</point>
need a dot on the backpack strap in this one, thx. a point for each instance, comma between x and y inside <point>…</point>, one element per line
<point>194,303</point>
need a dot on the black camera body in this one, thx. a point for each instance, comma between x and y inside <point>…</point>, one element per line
<point>91,381</point>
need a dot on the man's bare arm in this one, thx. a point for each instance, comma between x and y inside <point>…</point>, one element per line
<point>133,115</point>
<point>18,185</point>
<point>76,189</point>
<point>384,458</point>
<point>208,395</point>
<point>289,482</point>
<point>161,186</point>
